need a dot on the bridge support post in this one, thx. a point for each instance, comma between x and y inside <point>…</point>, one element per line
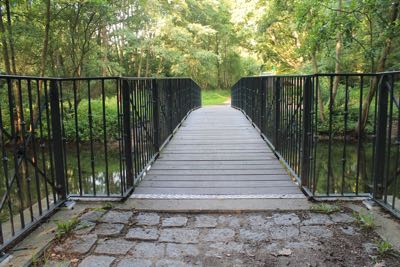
<point>57,141</point>
<point>156,120</point>
<point>277,111</point>
<point>381,133</point>
<point>262,105</point>
<point>170,106</point>
<point>127,133</point>
<point>306,134</point>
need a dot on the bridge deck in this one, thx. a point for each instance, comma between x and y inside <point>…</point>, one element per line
<point>217,152</point>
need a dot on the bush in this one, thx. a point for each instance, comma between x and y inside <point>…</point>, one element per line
<point>111,120</point>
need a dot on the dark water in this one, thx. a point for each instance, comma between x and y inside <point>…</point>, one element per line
<point>348,172</point>
<point>89,180</point>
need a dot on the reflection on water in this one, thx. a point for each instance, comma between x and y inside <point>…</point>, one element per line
<point>93,176</point>
<point>351,172</point>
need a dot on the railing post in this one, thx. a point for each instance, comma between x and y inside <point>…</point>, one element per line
<point>262,103</point>
<point>277,112</point>
<point>156,119</point>
<point>170,106</point>
<point>60,181</point>
<point>306,131</point>
<point>381,132</point>
<point>127,133</point>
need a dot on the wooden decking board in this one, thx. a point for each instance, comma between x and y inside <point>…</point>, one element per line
<point>218,191</point>
<point>276,177</point>
<point>218,172</point>
<point>212,167</point>
<point>246,162</point>
<point>189,148</point>
<point>217,152</point>
<point>215,184</point>
<point>233,157</point>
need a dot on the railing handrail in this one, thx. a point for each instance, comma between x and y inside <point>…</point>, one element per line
<point>33,77</point>
<point>322,74</point>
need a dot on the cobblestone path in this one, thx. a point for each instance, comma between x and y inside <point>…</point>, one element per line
<point>125,238</point>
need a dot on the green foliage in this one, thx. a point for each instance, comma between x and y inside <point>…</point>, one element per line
<point>384,247</point>
<point>64,228</point>
<point>96,105</point>
<point>365,220</point>
<point>214,97</point>
<point>106,206</point>
<point>325,208</point>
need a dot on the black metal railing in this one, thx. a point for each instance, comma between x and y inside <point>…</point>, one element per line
<point>80,137</point>
<point>334,136</point>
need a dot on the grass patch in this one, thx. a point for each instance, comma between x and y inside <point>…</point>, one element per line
<point>214,97</point>
<point>325,208</point>
<point>384,247</point>
<point>64,228</point>
<point>365,220</point>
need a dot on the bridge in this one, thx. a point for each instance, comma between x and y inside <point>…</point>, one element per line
<point>113,138</point>
<point>217,151</point>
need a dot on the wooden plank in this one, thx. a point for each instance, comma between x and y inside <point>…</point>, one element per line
<point>218,172</point>
<point>215,137</point>
<point>218,191</point>
<point>242,162</point>
<point>220,151</point>
<point>217,142</point>
<point>215,184</point>
<point>275,177</point>
<point>173,166</point>
<point>233,157</point>
<point>259,153</point>
<point>215,146</point>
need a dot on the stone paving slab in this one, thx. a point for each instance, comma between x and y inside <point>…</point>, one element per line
<point>296,238</point>
<point>150,234</point>
<point>176,221</point>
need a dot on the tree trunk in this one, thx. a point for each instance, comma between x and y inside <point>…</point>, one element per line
<point>10,38</point>
<point>218,65</point>
<point>46,39</point>
<point>362,122</point>
<point>4,44</point>
<point>104,46</point>
<point>16,94</point>
<point>43,60</point>
<point>339,44</point>
<point>160,67</point>
<point>320,101</point>
<point>147,63</point>
<point>140,63</point>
